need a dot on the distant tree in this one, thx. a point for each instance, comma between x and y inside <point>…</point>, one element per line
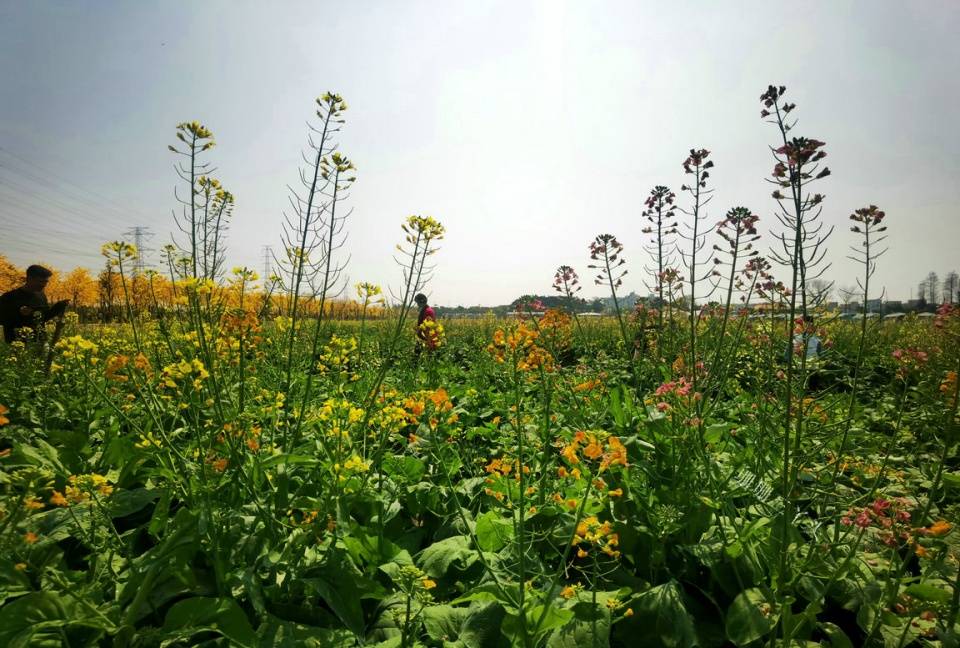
<point>10,275</point>
<point>933,286</point>
<point>922,292</point>
<point>820,291</point>
<point>951,286</point>
<point>849,295</point>
<point>78,286</point>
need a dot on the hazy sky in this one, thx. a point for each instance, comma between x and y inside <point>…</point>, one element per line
<point>527,128</point>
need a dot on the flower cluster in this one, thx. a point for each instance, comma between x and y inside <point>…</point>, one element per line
<point>696,165</point>
<point>338,414</point>
<point>369,293</point>
<point>118,251</point>
<point>76,346</point>
<point>566,282</point>
<point>590,531</point>
<point>80,488</point>
<point>889,517</point>
<point>597,447</point>
<point>422,229</point>
<point>519,346</point>
<point>909,361</point>
<point>867,217</point>
<point>336,356</point>
<point>607,249</point>
<point>185,372</point>
<point>432,333</point>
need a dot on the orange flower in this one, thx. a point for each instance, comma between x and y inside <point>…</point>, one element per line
<point>3,419</point>
<point>593,450</point>
<point>568,592</point>
<point>939,528</point>
<point>30,537</point>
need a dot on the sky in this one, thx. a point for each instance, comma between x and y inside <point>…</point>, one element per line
<point>526,127</point>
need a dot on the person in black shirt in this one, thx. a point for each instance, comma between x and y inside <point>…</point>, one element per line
<point>27,306</point>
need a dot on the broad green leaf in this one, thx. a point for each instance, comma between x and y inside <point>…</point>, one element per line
<point>660,619</point>
<point>409,468</point>
<point>477,626</point>
<point>437,558</point>
<point>493,532</point>
<point>750,617</point>
<point>221,615</point>
<point>277,633</point>
<point>838,638</point>
<point>929,592</point>
<point>32,620</point>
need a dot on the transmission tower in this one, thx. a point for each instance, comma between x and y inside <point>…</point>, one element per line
<point>140,234</point>
<point>267,261</point>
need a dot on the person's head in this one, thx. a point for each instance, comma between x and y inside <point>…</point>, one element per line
<point>37,278</point>
<point>421,300</point>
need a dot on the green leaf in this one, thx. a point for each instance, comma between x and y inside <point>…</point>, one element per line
<point>443,622</point>
<point>343,587</point>
<point>437,558</point>
<point>161,514</point>
<point>838,638</point>
<point>714,433</point>
<point>750,617</point>
<point>130,501</point>
<point>32,620</point>
<point>475,627</point>
<point>660,619</point>
<point>951,480</point>
<point>493,532</point>
<point>590,627</point>
<point>276,460</point>
<point>277,633</point>
<point>409,468</point>
<point>222,615</point>
<point>929,592</point>
<point>13,582</point>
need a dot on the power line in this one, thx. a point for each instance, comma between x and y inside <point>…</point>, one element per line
<point>100,198</point>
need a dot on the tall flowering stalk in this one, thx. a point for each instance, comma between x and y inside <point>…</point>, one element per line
<point>698,166</point>
<point>567,283</point>
<point>661,215</point>
<point>739,230</point>
<point>802,247</point>
<point>868,225</point>
<point>369,294</point>
<point>195,139</point>
<point>217,210</point>
<point>605,251</point>
<point>307,229</point>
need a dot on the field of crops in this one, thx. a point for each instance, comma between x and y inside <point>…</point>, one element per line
<point>223,467</point>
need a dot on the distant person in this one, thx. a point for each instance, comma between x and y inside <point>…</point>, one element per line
<point>27,306</point>
<point>426,314</point>
<point>807,342</point>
